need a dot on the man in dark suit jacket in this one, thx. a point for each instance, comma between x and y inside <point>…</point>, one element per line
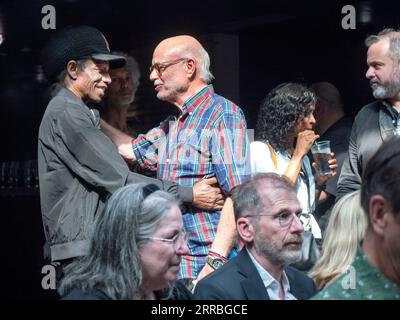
<point>269,220</point>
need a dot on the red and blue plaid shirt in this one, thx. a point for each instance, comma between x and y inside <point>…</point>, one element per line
<point>207,139</point>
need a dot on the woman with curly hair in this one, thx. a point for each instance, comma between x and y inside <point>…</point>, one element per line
<point>284,135</point>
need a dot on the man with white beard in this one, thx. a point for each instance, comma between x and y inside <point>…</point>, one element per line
<point>377,121</point>
<point>270,222</point>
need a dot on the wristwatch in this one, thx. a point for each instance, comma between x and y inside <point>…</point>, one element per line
<point>214,262</point>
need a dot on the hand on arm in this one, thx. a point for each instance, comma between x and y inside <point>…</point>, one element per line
<point>207,195</point>
<point>120,139</point>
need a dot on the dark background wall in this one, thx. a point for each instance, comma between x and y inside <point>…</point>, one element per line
<point>254,45</point>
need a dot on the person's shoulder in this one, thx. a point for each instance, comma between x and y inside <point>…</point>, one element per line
<point>220,99</point>
<point>225,105</point>
<point>302,286</point>
<point>259,149</point>
<point>79,294</point>
<point>342,125</point>
<point>56,104</point>
<point>258,145</point>
<point>297,275</point>
<point>64,103</point>
<point>335,291</point>
<point>339,134</point>
<point>180,292</point>
<point>346,122</point>
<point>221,284</point>
<point>56,112</point>
<point>372,107</point>
<point>222,274</point>
<point>176,291</point>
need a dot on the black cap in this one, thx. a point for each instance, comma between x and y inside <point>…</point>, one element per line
<point>74,43</point>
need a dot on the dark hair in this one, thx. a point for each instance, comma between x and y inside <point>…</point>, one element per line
<point>382,175</point>
<point>113,264</point>
<point>246,197</point>
<point>279,112</point>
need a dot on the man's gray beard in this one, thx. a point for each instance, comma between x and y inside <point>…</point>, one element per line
<point>387,91</point>
<point>383,92</point>
<point>272,252</point>
<point>173,95</point>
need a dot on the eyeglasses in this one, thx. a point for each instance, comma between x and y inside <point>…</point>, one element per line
<point>286,218</point>
<point>177,240</point>
<point>160,67</point>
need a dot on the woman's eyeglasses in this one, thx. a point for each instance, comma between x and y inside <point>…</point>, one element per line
<point>177,240</point>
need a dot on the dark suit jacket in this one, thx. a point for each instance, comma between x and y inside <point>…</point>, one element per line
<point>239,279</point>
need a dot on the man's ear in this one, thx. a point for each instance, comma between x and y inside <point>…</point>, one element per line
<point>191,67</point>
<point>72,69</point>
<point>245,229</point>
<point>378,207</point>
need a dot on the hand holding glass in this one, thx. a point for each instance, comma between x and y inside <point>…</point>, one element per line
<point>321,151</point>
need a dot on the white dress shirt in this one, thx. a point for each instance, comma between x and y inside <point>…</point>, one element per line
<point>271,284</point>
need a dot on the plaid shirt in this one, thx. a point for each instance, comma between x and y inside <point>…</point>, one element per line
<point>207,139</point>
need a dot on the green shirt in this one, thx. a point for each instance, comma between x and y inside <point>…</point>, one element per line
<point>362,281</point>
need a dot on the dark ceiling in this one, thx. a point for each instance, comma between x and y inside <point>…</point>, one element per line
<point>143,22</point>
<point>279,40</point>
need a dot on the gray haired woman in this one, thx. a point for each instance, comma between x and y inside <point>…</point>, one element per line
<point>135,250</point>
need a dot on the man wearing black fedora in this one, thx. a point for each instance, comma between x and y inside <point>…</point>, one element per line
<point>79,166</point>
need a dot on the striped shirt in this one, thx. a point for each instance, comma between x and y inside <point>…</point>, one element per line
<point>208,138</point>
